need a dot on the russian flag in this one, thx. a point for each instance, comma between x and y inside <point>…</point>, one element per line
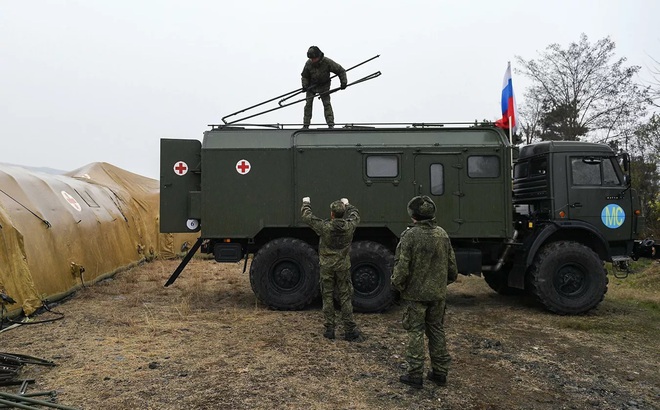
<point>509,118</point>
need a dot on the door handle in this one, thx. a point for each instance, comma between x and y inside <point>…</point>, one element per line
<point>576,205</point>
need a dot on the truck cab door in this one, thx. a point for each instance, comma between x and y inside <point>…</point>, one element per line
<point>437,175</point>
<point>180,185</point>
<point>597,195</point>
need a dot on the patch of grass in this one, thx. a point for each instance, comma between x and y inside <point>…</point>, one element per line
<point>580,323</point>
<point>640,289</point>
<point>652,306</point>
<point>617,317</point>
<point>649,307</point>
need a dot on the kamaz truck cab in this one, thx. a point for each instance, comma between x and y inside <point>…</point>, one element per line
<point>574,209</point>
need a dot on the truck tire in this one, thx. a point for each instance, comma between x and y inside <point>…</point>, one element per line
<point>284,274</point>
<point>371,270</point>
<point>568,278</point>
<point>499,282</point>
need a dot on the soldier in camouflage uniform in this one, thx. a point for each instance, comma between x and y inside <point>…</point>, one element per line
<point>316,79</point>
<point>336,236</point>
<point>424,264</point>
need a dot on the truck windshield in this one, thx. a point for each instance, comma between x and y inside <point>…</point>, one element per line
<point>594,171</point>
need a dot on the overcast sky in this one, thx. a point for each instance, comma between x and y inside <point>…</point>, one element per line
<point>83,81</point>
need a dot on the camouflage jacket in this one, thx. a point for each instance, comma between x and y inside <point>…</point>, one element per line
<point>335,236</point>
<point>318,74</point>
<point>424,263</point>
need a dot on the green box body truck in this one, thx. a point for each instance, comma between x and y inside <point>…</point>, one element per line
<point>541,219</point>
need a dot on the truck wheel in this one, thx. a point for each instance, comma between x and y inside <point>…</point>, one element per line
<point>284,274</point>
<point>371,269</point>
<point>499,282</point>
<point>568,278</point>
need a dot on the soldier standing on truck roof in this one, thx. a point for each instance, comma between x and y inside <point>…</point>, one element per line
<point>335,237</point>
<point>424,263</point>
<point>316,79</point>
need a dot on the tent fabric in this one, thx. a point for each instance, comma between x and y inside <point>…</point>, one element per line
<point>59,232</point>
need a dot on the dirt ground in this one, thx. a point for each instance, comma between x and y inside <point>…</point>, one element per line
<point>207,343</point>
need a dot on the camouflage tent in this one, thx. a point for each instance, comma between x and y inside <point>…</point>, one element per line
<point>58,232</point>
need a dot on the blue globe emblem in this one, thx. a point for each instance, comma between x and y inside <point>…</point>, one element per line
<point>613,216</point>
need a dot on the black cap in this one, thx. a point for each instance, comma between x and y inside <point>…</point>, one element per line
<point>313,52</point>
<point>421,208</point>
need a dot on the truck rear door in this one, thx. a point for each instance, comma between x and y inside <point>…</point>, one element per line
<point>437,175</point>
<point>180,184</point>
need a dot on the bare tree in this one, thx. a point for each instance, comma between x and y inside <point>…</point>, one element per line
<point>646,144</point>
<point>531,126</point>
<point>655,82</point>
<point>582,93</point>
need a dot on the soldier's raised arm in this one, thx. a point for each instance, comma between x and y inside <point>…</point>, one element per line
<point>352,214</point>
<point>309,218</point>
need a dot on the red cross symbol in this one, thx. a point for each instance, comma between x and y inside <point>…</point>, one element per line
<point>180,168</point>
<point>243,166</point>
<point>72,201</point>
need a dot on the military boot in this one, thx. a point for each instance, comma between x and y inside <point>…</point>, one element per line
<point>354,336</point>
<point>329,333</point>
<point>437,378</point>
<point>415,382</point>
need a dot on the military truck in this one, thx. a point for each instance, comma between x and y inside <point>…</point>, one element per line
<point>541,219</point>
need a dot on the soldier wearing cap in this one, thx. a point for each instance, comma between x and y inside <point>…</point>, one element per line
<point>316,79</point>
<point>424,264</point>
<point>336,235</point>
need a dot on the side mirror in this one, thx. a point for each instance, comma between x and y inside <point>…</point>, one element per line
<point>626,179</point>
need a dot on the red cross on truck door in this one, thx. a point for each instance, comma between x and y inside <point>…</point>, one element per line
<point>180,168</point>
<point>243,166</point>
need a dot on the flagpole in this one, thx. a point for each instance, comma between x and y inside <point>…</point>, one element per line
<point>511,147</point>
<point>508,67</point>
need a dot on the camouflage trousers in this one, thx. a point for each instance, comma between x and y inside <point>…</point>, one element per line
<point>420,318</point>
<point>341,280</point>
<point>327,109</point>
